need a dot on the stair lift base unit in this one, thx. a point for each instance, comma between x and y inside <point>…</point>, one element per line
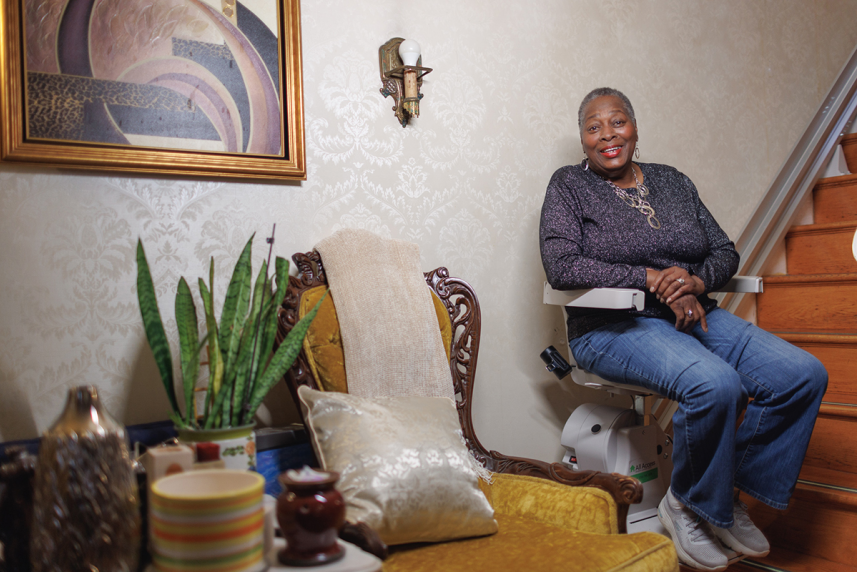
<point>610,439</point>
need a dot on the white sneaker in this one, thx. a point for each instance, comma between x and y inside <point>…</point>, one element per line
<point>744,536</point>
<point>695,542</point>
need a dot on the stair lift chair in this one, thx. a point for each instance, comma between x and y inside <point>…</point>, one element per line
<point>630,441</point>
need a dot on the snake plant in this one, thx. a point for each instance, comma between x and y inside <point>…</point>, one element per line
<point>241,366</point>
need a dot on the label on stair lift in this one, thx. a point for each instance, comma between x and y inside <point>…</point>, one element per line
<point>644,472</point>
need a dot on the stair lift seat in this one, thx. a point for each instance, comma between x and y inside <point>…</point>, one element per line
<point>629,441</point>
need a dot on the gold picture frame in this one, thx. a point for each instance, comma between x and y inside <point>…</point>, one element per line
<point>205,88</point>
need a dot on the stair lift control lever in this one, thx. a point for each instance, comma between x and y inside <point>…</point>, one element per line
<point>555,363</point>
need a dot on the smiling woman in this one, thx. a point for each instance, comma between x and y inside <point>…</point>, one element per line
<point>609,136</point>
<point>681,345</point>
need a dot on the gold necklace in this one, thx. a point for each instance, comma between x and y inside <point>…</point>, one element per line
<point>638,203</point>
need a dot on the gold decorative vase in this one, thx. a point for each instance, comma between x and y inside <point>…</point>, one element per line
<point>85,502</point>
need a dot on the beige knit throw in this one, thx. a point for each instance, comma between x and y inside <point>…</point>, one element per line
<point>389,328</point>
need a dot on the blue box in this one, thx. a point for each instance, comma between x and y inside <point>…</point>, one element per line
<point>279,449</point>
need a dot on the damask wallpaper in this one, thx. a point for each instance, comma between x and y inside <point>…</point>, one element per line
<point>722,91</point>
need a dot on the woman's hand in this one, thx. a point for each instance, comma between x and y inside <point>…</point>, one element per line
<point>672,283</point>
<point>688,311</point>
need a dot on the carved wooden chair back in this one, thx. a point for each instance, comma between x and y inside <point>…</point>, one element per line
<point>463,314</point>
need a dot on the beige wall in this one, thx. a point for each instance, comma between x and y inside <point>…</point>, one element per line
<point>722,91</point>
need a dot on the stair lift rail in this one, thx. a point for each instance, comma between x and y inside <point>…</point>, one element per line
<point>774,214</point>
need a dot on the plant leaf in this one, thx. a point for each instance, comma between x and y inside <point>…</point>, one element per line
<point>235,308</point>
<point>243,363</point>
<point>215,359</point>
<point>269,326</point>
<point>281,266</point>
<point>189,345</point>
<point>248,350</point>
<point>177,420</point>
<point>269,335</point>
<point>281,361</point>
<point>217,416</point>
<point>153,325</point>
<point>262,349</point>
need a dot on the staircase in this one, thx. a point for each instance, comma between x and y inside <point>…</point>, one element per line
<point>815,308</point>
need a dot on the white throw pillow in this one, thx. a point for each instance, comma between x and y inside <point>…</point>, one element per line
<point>404,468</point>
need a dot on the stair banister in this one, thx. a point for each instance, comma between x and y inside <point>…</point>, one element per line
<point>774,214</point>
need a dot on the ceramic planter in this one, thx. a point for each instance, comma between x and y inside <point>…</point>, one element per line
<point>237,445</point>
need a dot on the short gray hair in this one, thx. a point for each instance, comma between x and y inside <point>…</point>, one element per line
<point>601,92</point>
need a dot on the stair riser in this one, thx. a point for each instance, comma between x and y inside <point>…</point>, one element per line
<point>833,445</point>
<point>821,252</point>
<point>805,307</point>
<point>824,530</point>
<point>834,202</point>
<point>839,360</point>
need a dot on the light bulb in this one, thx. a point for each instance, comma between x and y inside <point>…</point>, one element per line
<point>409,51</point>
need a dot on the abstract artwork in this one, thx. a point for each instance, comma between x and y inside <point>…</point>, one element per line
<point>175,86</point>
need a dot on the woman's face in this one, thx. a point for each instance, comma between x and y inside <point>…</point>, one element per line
<point>609,138</point>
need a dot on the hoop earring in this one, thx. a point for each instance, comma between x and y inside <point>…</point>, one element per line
<point>586,163</point>
<point>636,152</point>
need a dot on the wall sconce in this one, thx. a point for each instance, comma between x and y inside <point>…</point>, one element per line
<point>401,75</point>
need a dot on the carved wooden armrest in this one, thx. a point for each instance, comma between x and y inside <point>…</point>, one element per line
<point>365,538</point>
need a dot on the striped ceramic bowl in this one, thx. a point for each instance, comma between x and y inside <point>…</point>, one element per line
<point>208,521</point>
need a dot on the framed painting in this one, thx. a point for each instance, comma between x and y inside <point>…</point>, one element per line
<point>180,87</point>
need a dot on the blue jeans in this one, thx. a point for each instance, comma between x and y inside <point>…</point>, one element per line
<point>711,375</point>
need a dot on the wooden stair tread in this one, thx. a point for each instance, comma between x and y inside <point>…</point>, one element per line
<point>818,303</point>
<point>843,498</point>
<point>819,523</point>
<point>843,410</point>
<point>808,278</point>
<point>828,477</point>
<point>838,353</point>
<point>783,559</point>
<point>840,181</point>
<point>822,227</point>
<point>833,199</point>
<point>826,339</point>
<point>832,445</point>
<point>815,248</point>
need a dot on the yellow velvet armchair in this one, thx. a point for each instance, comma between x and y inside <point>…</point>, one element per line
<point>549,517</point>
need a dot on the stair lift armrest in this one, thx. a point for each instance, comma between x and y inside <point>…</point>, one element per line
<point>628,298</point>
<point>606,298</point>
<point>744,285</point>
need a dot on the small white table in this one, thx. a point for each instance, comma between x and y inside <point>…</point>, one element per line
<point>355,560</point>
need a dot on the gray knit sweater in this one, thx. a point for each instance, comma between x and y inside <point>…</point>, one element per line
<point>590,238</point>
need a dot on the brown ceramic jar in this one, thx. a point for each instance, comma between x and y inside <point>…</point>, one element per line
<point>310,514</point>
